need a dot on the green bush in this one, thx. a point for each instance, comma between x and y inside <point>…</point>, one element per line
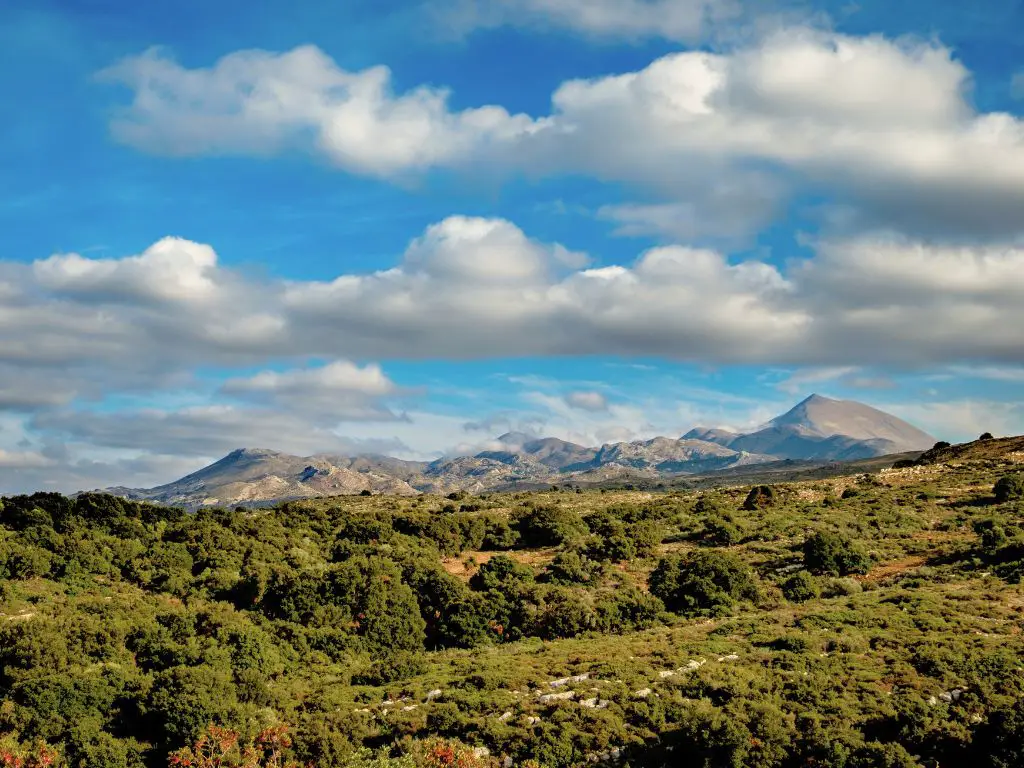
<point>801,587</point>
<point>834,554</point>
<point>702,582</point>
<point>1009,488</point>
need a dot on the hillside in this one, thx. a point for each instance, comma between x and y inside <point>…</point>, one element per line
<point>816,430</point>
<point>865,621</point>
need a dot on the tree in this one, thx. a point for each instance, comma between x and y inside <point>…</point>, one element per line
<point>834,554</point>
<point>549,526</point>
<point>1009,488</point>
<point>702,582</point>
<point>184,700</point>
<point>502,573</point>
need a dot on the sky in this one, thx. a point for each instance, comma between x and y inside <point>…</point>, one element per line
<point>408,226</point>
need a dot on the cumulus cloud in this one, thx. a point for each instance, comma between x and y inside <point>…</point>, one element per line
<point>469,289</point>
<point>339,390</point>
<point>259,102</point>
<point>587,401</point>
<point>728,209</point>
<point>172,269</point>
<point>880,129</point>
<point>481,288</point>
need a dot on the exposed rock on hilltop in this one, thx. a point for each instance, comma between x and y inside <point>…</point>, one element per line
<point>826,429</point>
<point>253,475</point>
<point>817,429</point>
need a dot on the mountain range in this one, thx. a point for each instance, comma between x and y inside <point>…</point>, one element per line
<point>817,429</point>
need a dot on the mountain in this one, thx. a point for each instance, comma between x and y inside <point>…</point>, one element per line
<point>822,428</point>
<point>253,475</point>
<point>816,429</point>
<point>547,451</point>
<point>720,436</point>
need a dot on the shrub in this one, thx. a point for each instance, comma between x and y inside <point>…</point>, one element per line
<point>1009,488</point>
<point>702,581</point>
<point>834,554</point>
<point>501,573</point>
<point>720,531</point>
<point>573,568</point>
<point>800,587</point>
<point>549,526</point>
<point>992,535</point>
<point>760,497</point>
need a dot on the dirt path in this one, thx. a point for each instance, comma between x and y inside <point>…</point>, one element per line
<point>894,568</point>
<point>468,563</point>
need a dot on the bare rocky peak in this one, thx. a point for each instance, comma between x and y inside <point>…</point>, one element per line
<point>817,428</point>
<point>824,417</point>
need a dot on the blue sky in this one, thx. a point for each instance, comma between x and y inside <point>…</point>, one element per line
<point>410,226</point>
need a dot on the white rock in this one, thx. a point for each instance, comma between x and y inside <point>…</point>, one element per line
<point>730,657</point>
<point>505,716</point>
<point>643,693</point>
<point>563,696</point>
<point>410,707</point>
<point>481,752</point>
<point>665,673</point>
<point>562,682</point>
<point>431,695</point>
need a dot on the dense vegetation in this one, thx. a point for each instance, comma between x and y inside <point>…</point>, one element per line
<point>859,622</point>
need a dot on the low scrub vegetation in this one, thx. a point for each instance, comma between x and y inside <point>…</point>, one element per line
<point>854,622</point>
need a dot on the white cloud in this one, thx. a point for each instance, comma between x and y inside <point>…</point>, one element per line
<point>683,20</point>
<point>339,390</point>
<point>23,460</point>
<point>798,382</point>
<point>258,102</point>
<point>961,420</point>
<point>471,289</point>
<point>478,288</point>
<point>587,401</point>
<point>172,269</point>
<point>207,431</point>
<point>726,209</point>
<point>880,129</point>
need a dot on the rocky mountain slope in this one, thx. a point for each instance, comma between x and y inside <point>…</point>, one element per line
<point>817,429</point>
<point>825,429</point>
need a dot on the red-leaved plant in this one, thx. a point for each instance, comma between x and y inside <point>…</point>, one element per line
<point>221,748</point>
<point>36,755</point>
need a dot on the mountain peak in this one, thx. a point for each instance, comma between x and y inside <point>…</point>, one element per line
<point>251,453</point>
<point>816,399</point>
<point>822,417</point>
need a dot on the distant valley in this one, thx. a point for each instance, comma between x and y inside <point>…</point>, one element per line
<point>818,429</point>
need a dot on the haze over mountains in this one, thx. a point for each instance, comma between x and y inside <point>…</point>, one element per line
<point>817,429</point>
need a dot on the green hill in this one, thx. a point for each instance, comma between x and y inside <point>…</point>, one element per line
<point>857,621</point>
